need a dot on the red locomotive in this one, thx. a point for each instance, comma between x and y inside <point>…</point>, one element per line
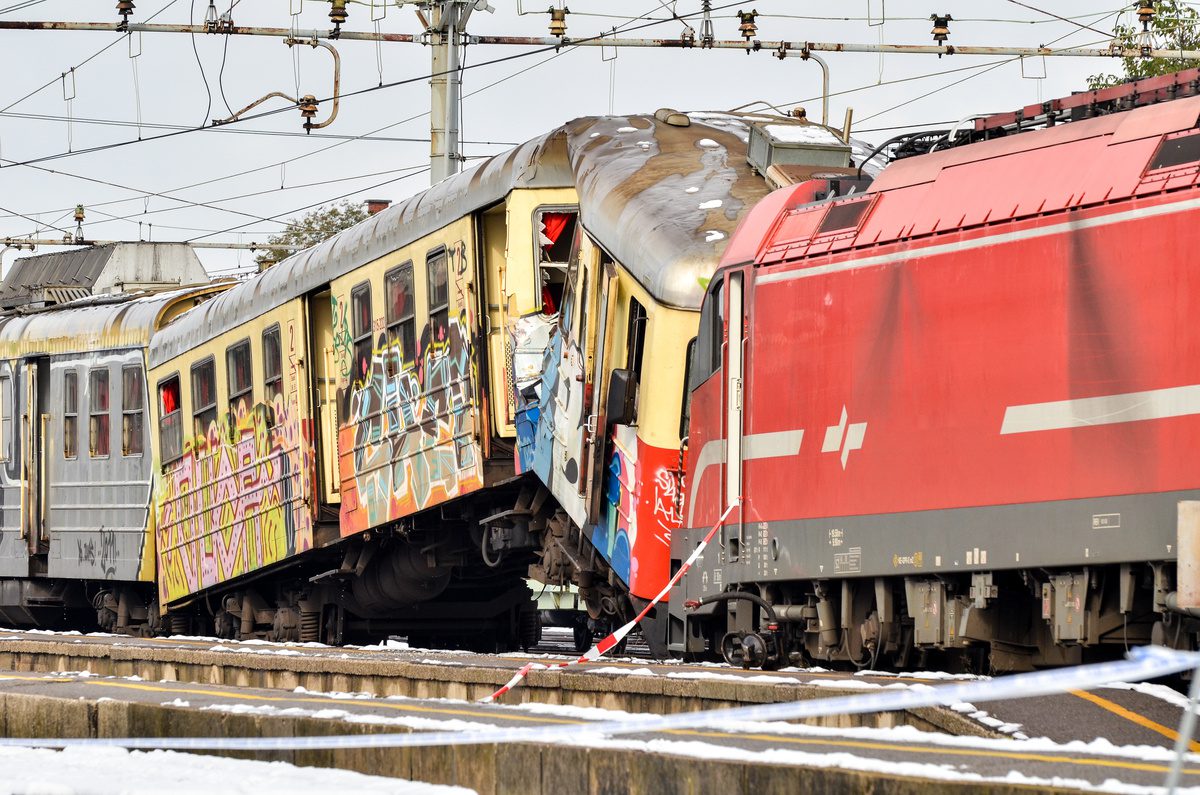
<point>956,407</point>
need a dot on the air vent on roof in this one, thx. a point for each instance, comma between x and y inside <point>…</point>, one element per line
<point>795,144</point>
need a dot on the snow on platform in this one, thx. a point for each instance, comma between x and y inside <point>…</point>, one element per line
<point>115,771</point>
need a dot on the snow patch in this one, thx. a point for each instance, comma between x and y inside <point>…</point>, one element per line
<point>711,204</point>
<point>712,236</point>
<point>692,189</point>
<point>626,129</point>
<point>88,771</point>
<point>708,143</point>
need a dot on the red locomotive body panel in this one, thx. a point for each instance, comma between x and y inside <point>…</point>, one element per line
<point>1008,323</point>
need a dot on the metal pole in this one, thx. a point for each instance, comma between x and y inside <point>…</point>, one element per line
<point>445,88</point>
<point>453,91</point>
<point>602,41</point>
<point>1187,727</point>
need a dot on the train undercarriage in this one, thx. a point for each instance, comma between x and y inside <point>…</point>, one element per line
<point>984,622</point>
<point>442,578</point>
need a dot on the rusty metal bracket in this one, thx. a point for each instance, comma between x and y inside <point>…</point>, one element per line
<point>307,104</point>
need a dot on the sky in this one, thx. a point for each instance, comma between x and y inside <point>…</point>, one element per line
<point>240,183</point>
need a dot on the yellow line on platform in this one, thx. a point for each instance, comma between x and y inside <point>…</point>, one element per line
<point>941,750</point>
<point>1134,717</point>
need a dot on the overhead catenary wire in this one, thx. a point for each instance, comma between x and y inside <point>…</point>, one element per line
<point>558,53</point>
<point>86,60</point>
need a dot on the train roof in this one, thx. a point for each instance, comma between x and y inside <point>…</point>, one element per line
<point>661,198</point>
<point>120,320</point>
<point>1085,163</point>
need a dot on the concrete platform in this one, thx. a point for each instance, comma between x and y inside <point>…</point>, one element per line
<point>760,760</point>
<point>624,684</point>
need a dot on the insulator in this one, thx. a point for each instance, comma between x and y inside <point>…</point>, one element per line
<point>748,29</point>
<point>799,113</point>
<point>558,21</point>
<point>1145,13</point>
<point>308,107</point>
<point>941,27</point>
<point>125,8</point>
<point>78,213</point>
<point>338,13</point>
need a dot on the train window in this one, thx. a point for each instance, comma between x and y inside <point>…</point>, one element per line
<point>6,416</point>
<point>1176,152</point>
<point>272,370</point>
<point>70,414</point>
<point>556,230</point>
<point>401,317</point>
<point>204,396</point>
<point>707,353</point>
<point>439,293</point>
<point>635,337</point>
<point>685,412</point>
<point>566,316</point>
<point>241,381</point>
<point>170,426</point>
<point>98,408</point>
<point>360,303</point>
<point>132,408</point>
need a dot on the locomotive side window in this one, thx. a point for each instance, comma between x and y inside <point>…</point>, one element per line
<point>360,302</point>
<point>401,317</point>
<point>272,370</point>
<point>439,293</point>
<point>170,426</point>
<point>685,411</point>
<point>132,410</point>
<point>241,383</point>
<point>204,396</point>
<point>98,406</point>
<point>706,357</point>
<point>70,414</point>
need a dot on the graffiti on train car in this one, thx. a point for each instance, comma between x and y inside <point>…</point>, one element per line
<point>408,438</point>
<point>236,500</point>
<point>103,555</point>
<point>641,507</point>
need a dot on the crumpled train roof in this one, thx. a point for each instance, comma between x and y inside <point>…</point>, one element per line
<point>661,199</point>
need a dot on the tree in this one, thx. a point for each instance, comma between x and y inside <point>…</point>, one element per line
<point>313,227</point>
<point>1176,26</point>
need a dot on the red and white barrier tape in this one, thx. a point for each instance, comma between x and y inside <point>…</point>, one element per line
<point>601,648</point>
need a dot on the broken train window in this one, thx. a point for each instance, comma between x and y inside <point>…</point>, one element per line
<point>554,228</point>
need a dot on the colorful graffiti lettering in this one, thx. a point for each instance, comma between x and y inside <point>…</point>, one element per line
<point>640,511</point>
<point>237,500</point>
<point>407,440</point>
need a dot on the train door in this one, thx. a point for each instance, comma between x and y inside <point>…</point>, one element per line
<point>35,421</point>
<point>324,389</point>
<point>572,399</point>
<point>731,420</point>
<point>597,422</point>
